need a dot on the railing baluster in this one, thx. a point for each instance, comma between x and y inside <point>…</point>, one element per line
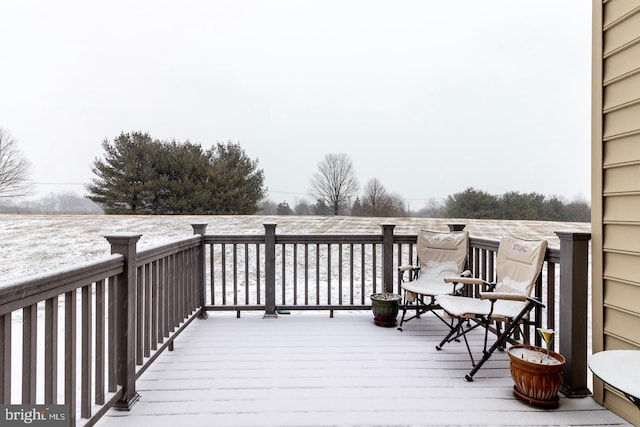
<point>283,273</point>
<point>340,296</point>
<point>70,353</point>
<point>86,347</point>
<point>166,298</point>
<point>173,289</point>
<point>181,273</point>
<point>235,273</point>
<point>223,272</point>
<point>51,351</point>
<point>329,274</point>
<point>111,333</point>
<point>5,358</point>
<point>212,274</point>
<point>551,299</point>
<point>362,274</point>
<point>155,306</point>
<point>139,314</point>
<point>29,351</point>
<point>100,348</point>
<point>374,267</point>
<point>258,292</point>
<point>295,274</point>
<point>148,298</point>
<point>306,274</point>
<point>247,285</point>
<point>351,281</point>
<point>317,274</point>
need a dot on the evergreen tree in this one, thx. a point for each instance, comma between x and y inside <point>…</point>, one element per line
<point>123,177</point>
<point>472,203</point>
<point>139,175</point>
<point>236,183</point>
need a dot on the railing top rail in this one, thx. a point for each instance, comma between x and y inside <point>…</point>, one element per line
<point>30,290</point>
<point>329,238</point>
<point>293,238</point>
<point>553,254</point>
<point>210,239</point>
<point>157,252</point>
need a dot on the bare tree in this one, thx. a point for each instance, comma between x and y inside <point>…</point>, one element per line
<point>376,201</point>
<point>14,168</point>
<point>374,198</point>
<point>335,183</point>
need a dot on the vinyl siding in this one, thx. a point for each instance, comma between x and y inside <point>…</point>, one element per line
<point>616,185</point>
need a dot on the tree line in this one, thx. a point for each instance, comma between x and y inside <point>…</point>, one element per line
<point>470,203</point>
<point>138,174</point>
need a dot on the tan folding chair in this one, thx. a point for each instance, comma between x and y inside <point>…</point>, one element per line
<point>508,301</point>
<point>440,255</point>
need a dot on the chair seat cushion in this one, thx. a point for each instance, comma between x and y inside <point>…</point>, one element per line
<point>425,285</point>
<point>458,306</point>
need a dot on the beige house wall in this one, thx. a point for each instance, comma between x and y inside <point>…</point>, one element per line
<point>616,186</point>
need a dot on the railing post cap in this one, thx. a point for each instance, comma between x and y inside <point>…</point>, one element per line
<point>456,226</point>
<point>199,227</point>
<point>387,225</point>
<point>270,225</point>
<point>573,235</point>
<point>123,238</point>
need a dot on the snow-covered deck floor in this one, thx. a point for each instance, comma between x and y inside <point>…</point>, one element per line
<point>311,370</point>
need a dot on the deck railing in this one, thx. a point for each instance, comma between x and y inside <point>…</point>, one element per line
<point>133,304</point>
<point>278,273</point>
<point>116,315</point>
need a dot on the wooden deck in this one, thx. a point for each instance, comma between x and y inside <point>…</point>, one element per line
<point>311,370</point>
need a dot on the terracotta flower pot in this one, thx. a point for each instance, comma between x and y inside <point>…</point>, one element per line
<point>385,309</point>
<point>537,377</point>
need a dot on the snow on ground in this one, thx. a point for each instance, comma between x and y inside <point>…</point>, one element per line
<point>35,244</point>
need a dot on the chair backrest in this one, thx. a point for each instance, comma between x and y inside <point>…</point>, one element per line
<point>443,253</point>
<point>518,264</point>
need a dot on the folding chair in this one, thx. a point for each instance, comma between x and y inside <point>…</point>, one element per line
<point>440,255</point>
<point>508,301</point>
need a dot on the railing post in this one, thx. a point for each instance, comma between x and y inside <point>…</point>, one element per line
<point>270,270</point>
<point>200,229</point>
<point>456,226</point>
<point>387,256</point>
<point>574,272</point>
<point>125,318</point>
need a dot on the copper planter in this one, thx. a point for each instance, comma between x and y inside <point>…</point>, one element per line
<point>537,377</point>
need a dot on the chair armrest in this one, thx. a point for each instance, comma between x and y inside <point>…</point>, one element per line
<point>510,296</point>
<point>404,268</point>
<point>465,280</point>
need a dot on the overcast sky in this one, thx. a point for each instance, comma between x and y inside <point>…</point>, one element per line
<point>430,97</point>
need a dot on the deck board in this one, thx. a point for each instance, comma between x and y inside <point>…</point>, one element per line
<point>311,370</point>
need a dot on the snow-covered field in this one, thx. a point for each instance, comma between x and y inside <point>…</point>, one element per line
<point>34,244</point>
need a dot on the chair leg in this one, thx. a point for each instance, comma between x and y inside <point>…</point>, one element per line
<point>448,338</point>
<point>404,313</point>
<point>501,340</point>
<point>487,353</point>
<point>421,308</point>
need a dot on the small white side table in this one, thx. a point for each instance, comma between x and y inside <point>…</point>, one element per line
<point>620,369</point>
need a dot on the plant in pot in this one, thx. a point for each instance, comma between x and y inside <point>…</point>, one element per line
<point>384,306</point>
<point>536,372</point>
